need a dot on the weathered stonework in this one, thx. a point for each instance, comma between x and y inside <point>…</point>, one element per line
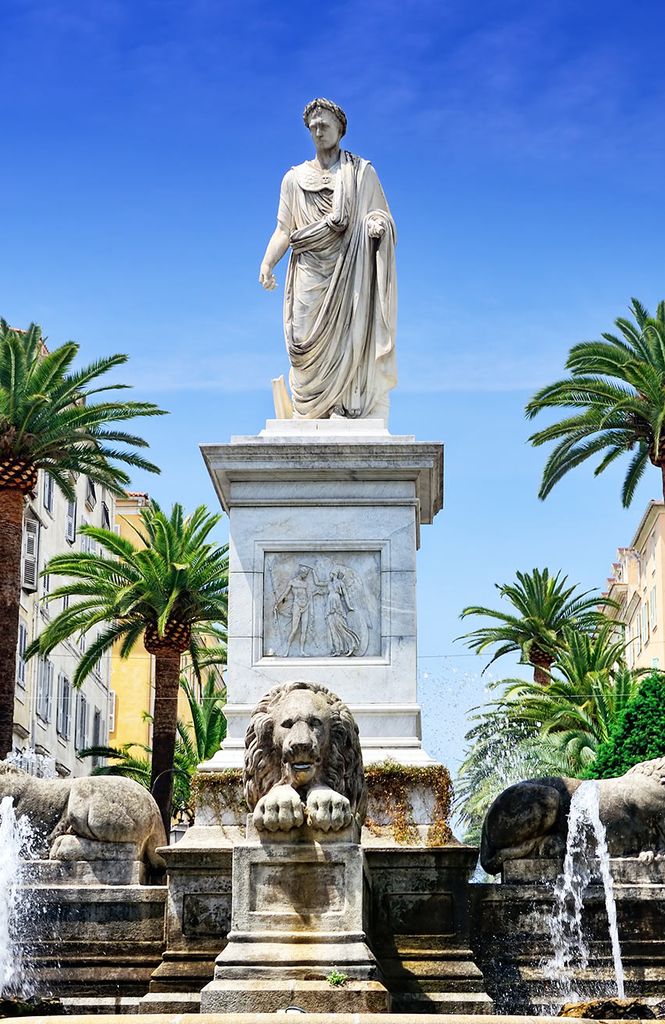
<point>297,913</point>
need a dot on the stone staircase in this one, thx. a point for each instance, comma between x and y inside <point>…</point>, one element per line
<point>424,974</point>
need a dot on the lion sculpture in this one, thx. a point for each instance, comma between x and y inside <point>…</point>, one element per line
<point>73,818</point>
<point>530,819</point>
<point>303,762</point>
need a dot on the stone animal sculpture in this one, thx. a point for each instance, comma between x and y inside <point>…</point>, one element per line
<point>74,818</point>
<point>530,819</point>
<point>303,761</point>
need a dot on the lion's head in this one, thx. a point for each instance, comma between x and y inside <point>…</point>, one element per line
<point>302,734</point>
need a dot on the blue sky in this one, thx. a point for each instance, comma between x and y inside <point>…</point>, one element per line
<point>521,147</point>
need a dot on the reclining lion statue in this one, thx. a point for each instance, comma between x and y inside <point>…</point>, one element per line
<point>530,819</point>
<point>73,818</point>
<point>303,762</point>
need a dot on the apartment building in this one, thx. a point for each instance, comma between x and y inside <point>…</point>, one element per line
<point>638,585</point>
<point>51,719</point>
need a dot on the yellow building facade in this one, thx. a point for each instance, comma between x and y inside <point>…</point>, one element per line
<point>132,678</point>
<point>638,585</point>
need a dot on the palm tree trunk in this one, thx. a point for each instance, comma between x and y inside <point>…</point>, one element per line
<point>11,538</point>
<point>165,717</point>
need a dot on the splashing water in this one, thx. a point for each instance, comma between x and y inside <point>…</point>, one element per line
<point>570,948</point>
<point>15,843</point>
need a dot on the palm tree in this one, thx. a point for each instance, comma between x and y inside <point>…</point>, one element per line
<point>533,730</point>
<point>545,605</point>
<point>47,422</point>
<point>194,744</point>
<point>170,591</point>
<point>618,386</point>
<point>585,697</point>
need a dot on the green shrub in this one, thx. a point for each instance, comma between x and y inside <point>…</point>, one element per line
<point>638,734</point>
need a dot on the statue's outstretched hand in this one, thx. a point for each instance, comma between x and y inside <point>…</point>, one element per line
<point>375,227</point>
<point>267,278</point>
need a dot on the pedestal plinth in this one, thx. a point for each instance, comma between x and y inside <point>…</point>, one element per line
<point>297,916</point>
<point>325,520</point>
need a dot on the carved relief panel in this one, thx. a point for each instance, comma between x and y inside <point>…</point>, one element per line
<point>322,605</point>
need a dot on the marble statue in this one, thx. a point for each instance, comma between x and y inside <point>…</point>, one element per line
<point>87,818</point>
<point>530,819</point>
<point>303,762</point>
<point>340,299</point>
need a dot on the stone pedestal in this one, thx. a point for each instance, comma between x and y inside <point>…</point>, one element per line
<point>297,917</point>
<point>512,942</point>
<point>324,523</point>
<point>89,939</point>
<point>420,928</point>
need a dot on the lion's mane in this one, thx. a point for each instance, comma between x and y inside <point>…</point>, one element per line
<point>343,770</point>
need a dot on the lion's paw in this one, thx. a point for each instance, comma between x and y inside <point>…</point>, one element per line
<point>327,810</point>
<point>279,810</point>
<point>647,856</point>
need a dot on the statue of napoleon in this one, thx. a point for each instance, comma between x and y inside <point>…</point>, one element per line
<point>340,300</point>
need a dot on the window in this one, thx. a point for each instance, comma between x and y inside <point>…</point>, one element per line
<point>46,590</point>
<point>111,711</point>
<point>20,654</point>
<point>48,489</point>
<point>63,721</point>
<point>44,703</point>
<point>81,737</point>
<point>96,733</point>
<point>645,625</point>
<point>30,553</point>
<point>652,609</point>
<point>90,494</point>
<point>637,633</point>
<point>87,543</point>
<point>70,525</point>
<point>106,516</point>
<point>82,643</point>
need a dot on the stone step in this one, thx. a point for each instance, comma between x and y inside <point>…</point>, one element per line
<point>171,1002</point>
<point>449,973</point>
<point>432,985</point>
<point>441,1002</point>
<point>101,1004</point>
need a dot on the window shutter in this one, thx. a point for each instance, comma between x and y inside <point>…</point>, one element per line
<point>67,714</point>
<point>49,690</point>
<point>111,711</point>
<point>48,492</point>
<point>20,654</point>
<point>70,528</point>
<point>30,553</point>
<point>59,712</point>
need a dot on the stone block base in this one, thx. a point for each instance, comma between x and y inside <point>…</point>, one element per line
<point>98,871</point>
<point>271,996</point>
<point>512,944</point>
<point>94,939</point>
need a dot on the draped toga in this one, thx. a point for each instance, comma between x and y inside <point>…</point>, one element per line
<point>340,299</point>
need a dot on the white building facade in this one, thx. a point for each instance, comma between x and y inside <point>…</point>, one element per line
<point>51,719</point>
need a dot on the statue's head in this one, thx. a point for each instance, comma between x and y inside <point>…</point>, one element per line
<point>326,122</point>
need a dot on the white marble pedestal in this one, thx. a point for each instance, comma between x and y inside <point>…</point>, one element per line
<point>325,520</point>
